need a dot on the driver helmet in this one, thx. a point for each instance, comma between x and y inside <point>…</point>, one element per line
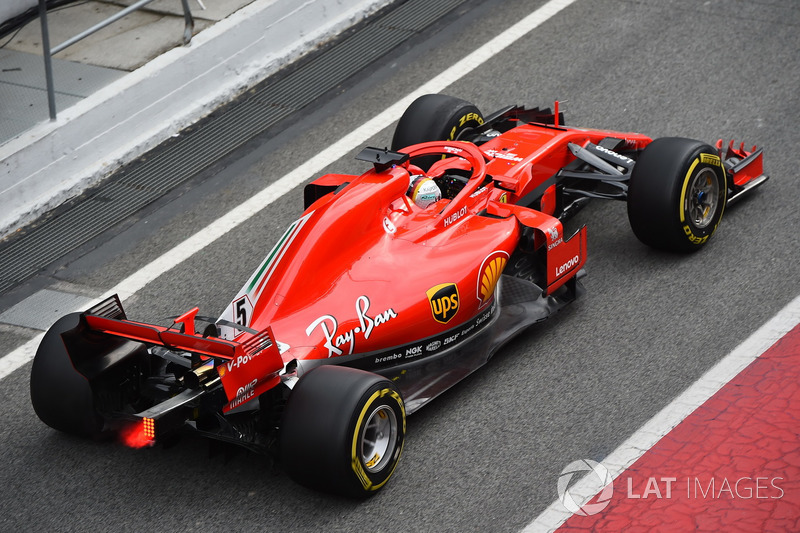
<point>424,191</point>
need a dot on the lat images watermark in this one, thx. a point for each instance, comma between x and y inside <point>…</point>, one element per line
<point>743,488</point>
<point>599,482</point>
<point>585,487</point>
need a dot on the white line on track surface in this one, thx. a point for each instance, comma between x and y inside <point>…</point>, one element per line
<point>673,414</point>
<point>314,165</point>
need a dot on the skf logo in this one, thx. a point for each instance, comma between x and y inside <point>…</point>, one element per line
<point>489,275</point>
<point>444,302</point>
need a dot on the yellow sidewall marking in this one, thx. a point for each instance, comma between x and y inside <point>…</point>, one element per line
<point>705,159</point>
<point>710,159</point>
<point>683,190</point>
<point>355,462</point>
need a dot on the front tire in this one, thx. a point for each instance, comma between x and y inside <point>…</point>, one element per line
<point>343,431</point>
<point>677,194</point>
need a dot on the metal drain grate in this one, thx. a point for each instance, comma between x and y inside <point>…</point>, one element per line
<point>135,186</point>
<point>42,309</point>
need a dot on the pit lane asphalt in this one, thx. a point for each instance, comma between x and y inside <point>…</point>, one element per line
<point>485,456</point>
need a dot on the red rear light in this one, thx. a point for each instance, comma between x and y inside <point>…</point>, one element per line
<point>139,434</point>
<point>149,428</point>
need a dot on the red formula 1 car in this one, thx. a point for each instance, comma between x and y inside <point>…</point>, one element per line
<point>390,288</point>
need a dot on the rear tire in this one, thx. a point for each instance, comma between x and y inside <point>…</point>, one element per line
<point>79,374</point>
<point>677,194</point>
<point>61,396</point>
<point>343,431</point>
<point>435,117</point>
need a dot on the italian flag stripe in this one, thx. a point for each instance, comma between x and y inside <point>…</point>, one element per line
<point>262,275</point>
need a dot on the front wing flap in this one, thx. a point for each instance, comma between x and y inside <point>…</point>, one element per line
<point>745,169</point>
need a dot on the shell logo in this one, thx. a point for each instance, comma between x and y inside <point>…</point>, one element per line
<point>489,274</point>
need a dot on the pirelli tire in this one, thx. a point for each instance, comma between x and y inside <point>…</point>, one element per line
<point>435,117</point>
<point>342,431</point>
<point>76,373</point>
<point>677,194</point>
<point>61,396</point>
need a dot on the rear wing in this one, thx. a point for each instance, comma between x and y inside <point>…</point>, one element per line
<point>246,369</point>
<point>108,317</point>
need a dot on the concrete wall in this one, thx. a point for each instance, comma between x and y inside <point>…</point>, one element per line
<point>12,8</point>
<point>59,159</point>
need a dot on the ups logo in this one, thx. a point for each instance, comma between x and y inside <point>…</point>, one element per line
<point>444,302</point>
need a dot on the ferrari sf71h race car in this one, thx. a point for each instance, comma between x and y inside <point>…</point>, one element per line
<point>390,288</point>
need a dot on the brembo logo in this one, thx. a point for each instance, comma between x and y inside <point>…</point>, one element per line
<point>444,302</point>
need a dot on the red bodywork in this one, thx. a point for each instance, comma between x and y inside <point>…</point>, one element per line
<point>355,279</point>
<point>365,272</point>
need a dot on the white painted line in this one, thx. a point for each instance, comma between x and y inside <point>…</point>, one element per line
<point>266,196</point>
<point>673,414</point>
